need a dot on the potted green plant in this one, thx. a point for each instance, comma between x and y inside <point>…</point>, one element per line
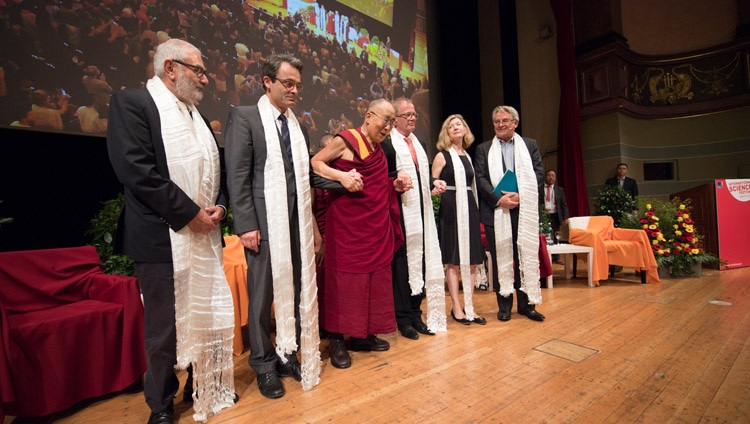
<point>615,202</point>
<point>102,230</point>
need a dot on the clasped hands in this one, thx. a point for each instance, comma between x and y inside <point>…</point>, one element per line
<point>402,183</point>
<point>509,200</point>
<point>439,187</point>
<point>206,220</point>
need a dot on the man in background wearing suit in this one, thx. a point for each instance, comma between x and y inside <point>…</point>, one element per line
<point>623,181</point>
<point>511,219</point>
<point>552,197</point>
<point>165,155</point>
<point>268,180</point>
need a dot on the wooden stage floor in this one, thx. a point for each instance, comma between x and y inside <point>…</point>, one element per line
<point>677,351</point>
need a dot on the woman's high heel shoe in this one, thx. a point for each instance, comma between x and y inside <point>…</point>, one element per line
<point>463,321</point>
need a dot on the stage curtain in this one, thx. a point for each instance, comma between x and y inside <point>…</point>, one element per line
<point>571,173</point>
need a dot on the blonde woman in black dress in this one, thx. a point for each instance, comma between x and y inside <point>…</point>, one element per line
<point>460,235</point>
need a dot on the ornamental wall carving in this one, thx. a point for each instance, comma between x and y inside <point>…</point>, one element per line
<point>613,78</point>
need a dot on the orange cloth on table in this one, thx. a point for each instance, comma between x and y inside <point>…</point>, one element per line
<point>615,246</point>
<point>235,268</point>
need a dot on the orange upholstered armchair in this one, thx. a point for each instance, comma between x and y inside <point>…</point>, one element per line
<point>613,246</point>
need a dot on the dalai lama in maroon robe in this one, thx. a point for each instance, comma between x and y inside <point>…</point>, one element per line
<point>362,233</point>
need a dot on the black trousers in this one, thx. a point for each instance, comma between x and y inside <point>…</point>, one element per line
<point>506,303</point>
<point>156,281</point>
<point>407,307</point>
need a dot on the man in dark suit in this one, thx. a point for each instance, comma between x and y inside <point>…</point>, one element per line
<point>403,150</point>
<point>493,158</point>
<point>268,180</point>
<point>552,197</point>
<point>164,154</point>
<point>623,181</point>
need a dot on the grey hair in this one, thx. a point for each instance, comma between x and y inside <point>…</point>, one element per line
<point>507,109</point>
<point>174,48</point>
<point>399,101</point>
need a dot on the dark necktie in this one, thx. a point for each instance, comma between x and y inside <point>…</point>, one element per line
<point>285,136</point>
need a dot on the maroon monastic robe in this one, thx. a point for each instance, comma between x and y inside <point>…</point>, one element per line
<point>362,232</point>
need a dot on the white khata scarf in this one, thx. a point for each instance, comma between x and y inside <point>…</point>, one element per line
<point>204,312</point>
<point>462,224</point>
<point>528,222</point>
<point>418,229</point>
<point>281,249</point>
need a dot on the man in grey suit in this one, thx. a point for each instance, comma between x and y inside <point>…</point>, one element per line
<point>266,156</point>
<point>493,158</point>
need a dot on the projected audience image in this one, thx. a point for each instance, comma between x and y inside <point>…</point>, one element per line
<point>60,60</point>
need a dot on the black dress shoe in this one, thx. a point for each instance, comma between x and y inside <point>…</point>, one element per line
<point>187,394</point>
<point>165,417</point>
<point>463,321</point>
<point>290,369</point>
<point>503,316</point>
<point>369,344</point>
<point>532,314</point>
<point>339,356</point>
<point>422,328</point>
<point>408,331</point>
<point>270,386</point>
<point>479,320</point>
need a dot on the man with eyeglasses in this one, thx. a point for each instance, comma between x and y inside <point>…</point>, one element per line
<point>362,232</point>
<point>417,265</point>
<point>268,177</point>
<point>511,216</point>
<point>164,153</point>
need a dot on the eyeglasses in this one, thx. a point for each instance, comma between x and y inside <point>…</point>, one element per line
<point>388,122</point>
<point>197,70</point>
<point>408,115</point>
<point>289,84</point>
<point>505,121</point>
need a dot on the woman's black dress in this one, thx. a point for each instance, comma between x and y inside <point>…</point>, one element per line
<point>448,229</point>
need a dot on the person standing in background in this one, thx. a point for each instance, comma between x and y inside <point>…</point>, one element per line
<point>622,180</point>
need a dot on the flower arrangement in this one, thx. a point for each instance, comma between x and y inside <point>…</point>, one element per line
<point>675,241</point>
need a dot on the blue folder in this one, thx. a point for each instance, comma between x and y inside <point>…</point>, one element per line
<point>508,183</point>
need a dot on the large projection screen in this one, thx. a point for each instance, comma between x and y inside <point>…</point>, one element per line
<point>61,60</point>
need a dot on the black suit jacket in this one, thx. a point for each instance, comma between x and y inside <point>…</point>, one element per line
<point>629,185</point>
<point>561,205</point>
<point>153,203</point>
<point>487,199</point>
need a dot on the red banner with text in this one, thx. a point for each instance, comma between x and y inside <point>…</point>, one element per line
<point>732,212</point>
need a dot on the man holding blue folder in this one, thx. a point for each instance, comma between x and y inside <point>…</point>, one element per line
<point>508,171</point>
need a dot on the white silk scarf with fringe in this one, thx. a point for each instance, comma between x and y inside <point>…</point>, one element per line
<point>279,242</point>
<point>528,222</point>
<point>418,228</point>
<point>462,225</point>
<point>204,312</point>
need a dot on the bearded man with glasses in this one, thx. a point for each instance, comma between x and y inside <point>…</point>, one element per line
<point>164,153</point>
